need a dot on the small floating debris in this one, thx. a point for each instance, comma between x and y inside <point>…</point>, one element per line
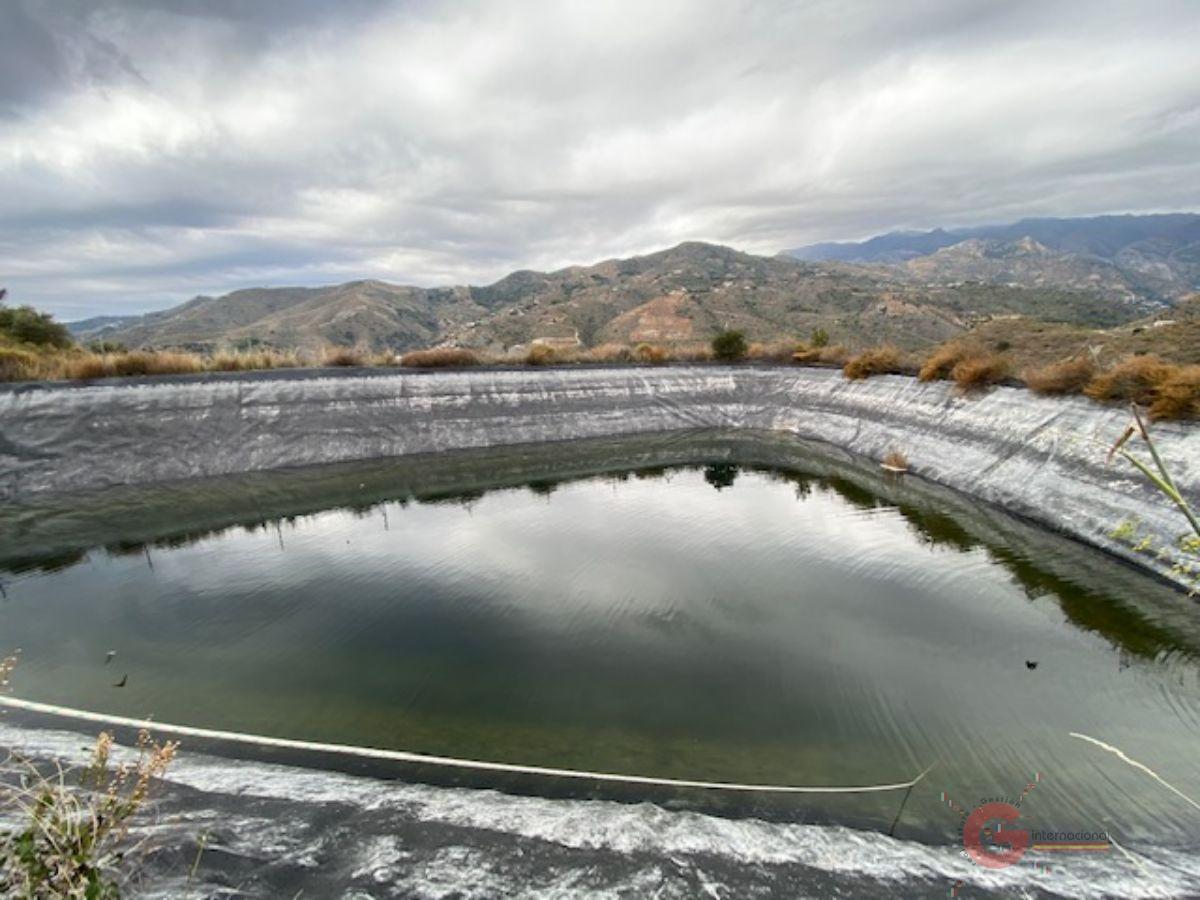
<point>894,461</point>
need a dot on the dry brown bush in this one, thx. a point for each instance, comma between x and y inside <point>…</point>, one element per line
<point>884,360</point>
<point>940,362</point>
<point>974,372</point>
<point>1178,395</point>
<point>650,353</point>
<point>1070,376</point>
<point>343,357</point>
<point>1134,379</point>
<point>541,355</point>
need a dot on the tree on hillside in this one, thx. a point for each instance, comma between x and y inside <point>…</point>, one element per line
<point>729,346</point>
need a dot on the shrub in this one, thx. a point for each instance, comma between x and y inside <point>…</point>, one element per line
<point>17,364</point>
<point>650,353</point>
<point>729,346</point>
<point>106,347</point>
<point>979,371</point>
<point>540,355</point>
<point>1070,376</point>
<point>439,357</point>
<point>885,360</point>
<point>1135,378</point>
<point>342,357</point>
<point>26,325</point>
<point>820,338</point>
<point>1178,396</point>
<point>939,364</point>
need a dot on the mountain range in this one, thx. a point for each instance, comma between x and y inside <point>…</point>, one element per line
<point>912,289</point>
<point>1156,256</point>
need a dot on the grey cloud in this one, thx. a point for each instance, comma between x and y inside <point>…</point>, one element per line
<point>154,150</point>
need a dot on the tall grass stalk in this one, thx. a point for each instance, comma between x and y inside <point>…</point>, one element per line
<point>1161,479</point>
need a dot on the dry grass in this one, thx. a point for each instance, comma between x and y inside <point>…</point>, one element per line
<point>650,353</point>
<point>1134,379</point>
<point>344,357</point>
<point>773,351</point>
<point>975,372</point>
<point>837,355</point>
<point>87,366</point>
<point>17,364</point>
<point>695,352</point>
<point>1070,376</point>
<point>440,358</point>
<point>253,361</point>
<point>894,459</point>
<point>884,360</point>
<point>1168,390</point>
<point>1178,395</point>
<point>939,364</point>
<point>607,353</point>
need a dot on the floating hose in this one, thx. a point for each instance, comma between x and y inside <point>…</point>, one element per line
<point>445,761</point>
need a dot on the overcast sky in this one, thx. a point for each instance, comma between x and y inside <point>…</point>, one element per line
<point>151,151</point>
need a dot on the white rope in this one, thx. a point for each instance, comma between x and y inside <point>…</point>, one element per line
<point>1120,754</point>
<point>447,761</point>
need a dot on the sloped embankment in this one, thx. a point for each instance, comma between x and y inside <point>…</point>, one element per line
<point>1040,458</point>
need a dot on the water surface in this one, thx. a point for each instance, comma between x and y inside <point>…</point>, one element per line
<point>799,620</point>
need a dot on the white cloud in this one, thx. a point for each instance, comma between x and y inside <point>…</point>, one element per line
<point>172,152</point>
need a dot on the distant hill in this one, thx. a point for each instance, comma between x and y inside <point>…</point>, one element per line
<point>88,329</point>
<point>1028,263</point>
<point>367,313</point>
<point>683,294</point>
<point>1157,256</point>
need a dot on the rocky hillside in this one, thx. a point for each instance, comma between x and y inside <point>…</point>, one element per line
<point>1027,263</point>
<point>685,294</point>
<point>1156,257</point>
<point>1173,335</point>
<point>367,313</point>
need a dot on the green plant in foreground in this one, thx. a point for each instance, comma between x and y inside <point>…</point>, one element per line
<point>1160,476</point>
<point>1161,479</point>
<point>68,831</point>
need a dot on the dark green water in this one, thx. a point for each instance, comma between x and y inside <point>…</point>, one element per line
<point>786,618</point>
